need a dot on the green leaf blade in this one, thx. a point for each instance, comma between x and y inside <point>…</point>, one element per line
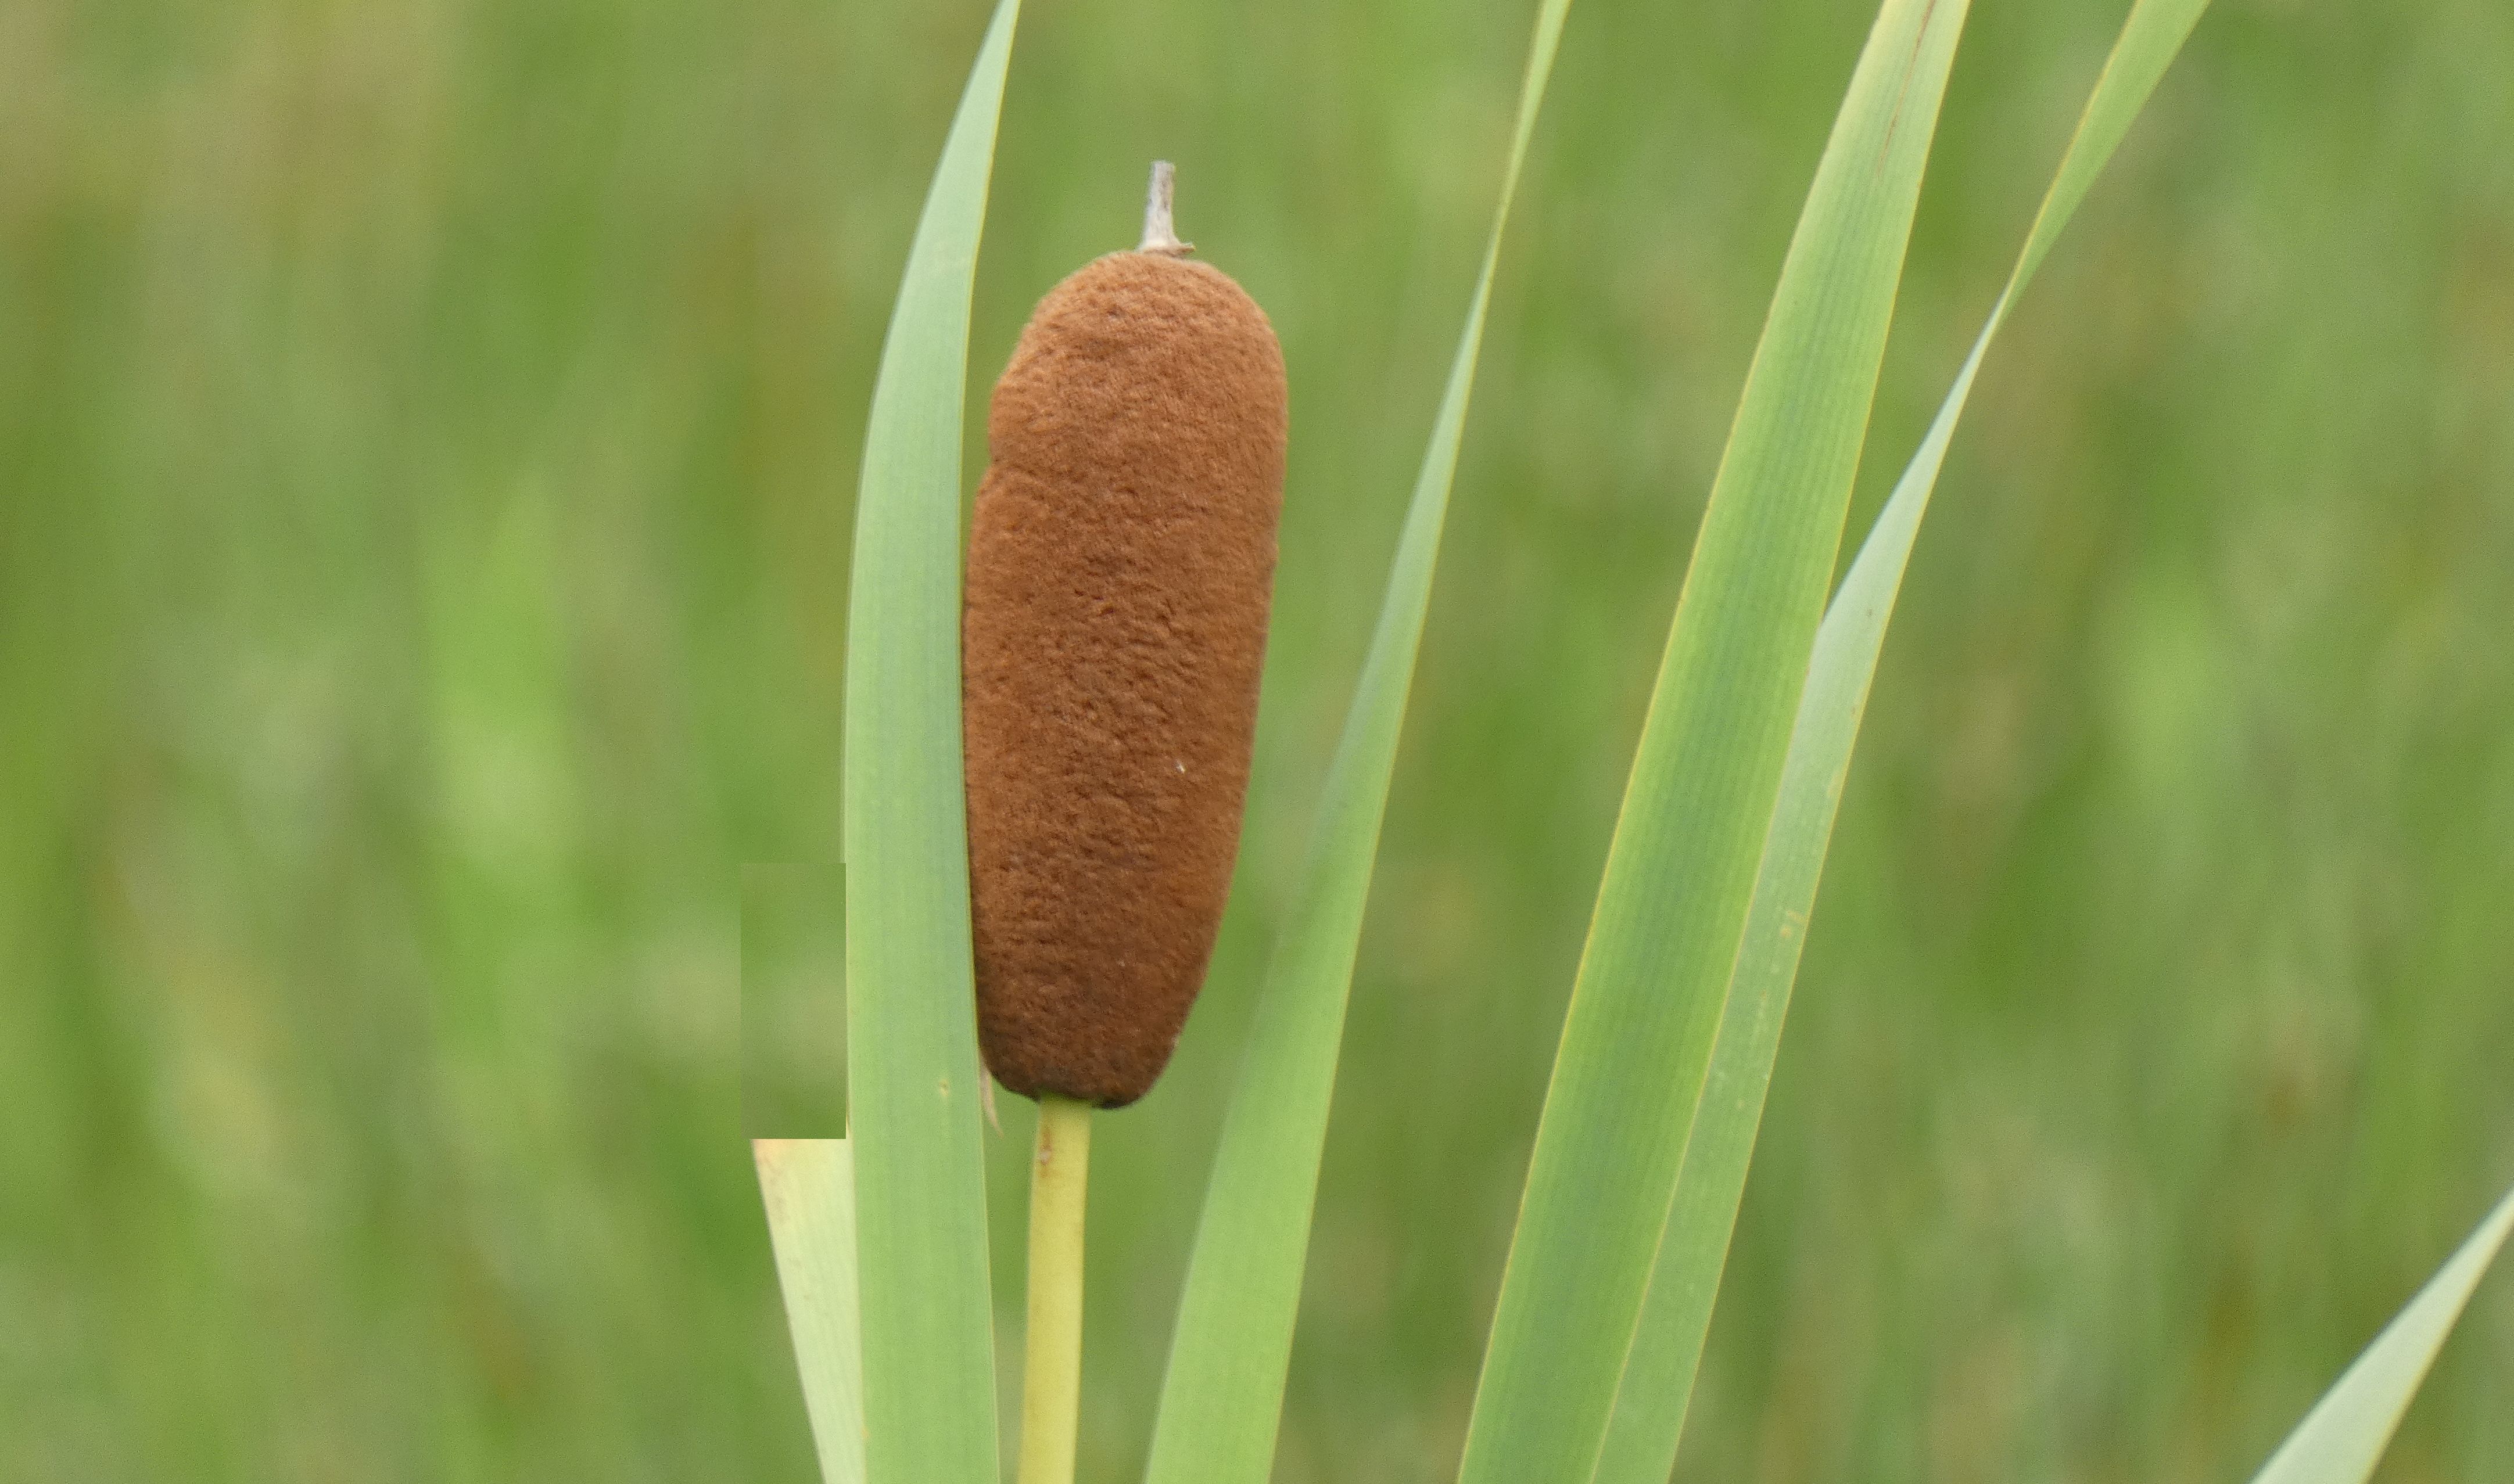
<point>808,1187</point>
<point>1221,1395</point>
<point>928,1331</point>
<point>2343,1437</point>
<point>1667,1348</point>
<point>1636,1040</point>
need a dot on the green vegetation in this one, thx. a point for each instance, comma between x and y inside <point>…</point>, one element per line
<point>2349,1429</point>
<point>912,1070</point>
<point>417,594</point>
<point>808,1186</point>
<point>1221,1393</point>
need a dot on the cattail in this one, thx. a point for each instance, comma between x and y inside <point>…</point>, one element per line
<point>1120,563</point>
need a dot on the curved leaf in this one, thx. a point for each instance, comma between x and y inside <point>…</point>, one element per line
<point>2343,1437</point>
<point>1667,1348</point>
<point>1221,1398</point>
<point>1646,1005</point>
<point>913,1077</point>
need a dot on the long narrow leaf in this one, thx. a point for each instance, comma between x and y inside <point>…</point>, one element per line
<point>913,1073</point>
<point>2343,1437</point>
<point>808,1185</point>
<point>1658,1377</point>
<point>1647,1003</point>
<point>1221,1398</point>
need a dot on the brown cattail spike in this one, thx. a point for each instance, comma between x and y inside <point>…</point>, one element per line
<point>1120,563</point>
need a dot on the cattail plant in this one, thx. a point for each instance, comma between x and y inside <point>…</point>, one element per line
<point>1116,609</point>
<point>1120,564</point>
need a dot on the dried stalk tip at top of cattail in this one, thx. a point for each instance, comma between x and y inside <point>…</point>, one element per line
<point>1161,234</point>
<point>1121,559</point>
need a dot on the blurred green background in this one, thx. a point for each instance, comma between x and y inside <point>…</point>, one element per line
<point>428,437</point>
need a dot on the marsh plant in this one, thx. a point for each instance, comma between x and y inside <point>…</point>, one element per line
<point>1077,975</point>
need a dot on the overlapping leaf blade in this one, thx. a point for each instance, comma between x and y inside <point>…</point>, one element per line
<point>808,1187</point>
<point>1644,1010</point>
<point>2343,1437</point>
<point>1667,1348</point>
<point>913,1077</point>
<point>1222,1397</point>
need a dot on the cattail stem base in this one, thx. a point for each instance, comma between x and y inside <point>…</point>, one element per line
<point>1052,1360</point>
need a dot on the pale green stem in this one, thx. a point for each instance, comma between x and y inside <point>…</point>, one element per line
<point>1052,1367</point>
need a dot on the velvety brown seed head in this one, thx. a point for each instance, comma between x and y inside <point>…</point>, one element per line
<point>1120,563</point>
